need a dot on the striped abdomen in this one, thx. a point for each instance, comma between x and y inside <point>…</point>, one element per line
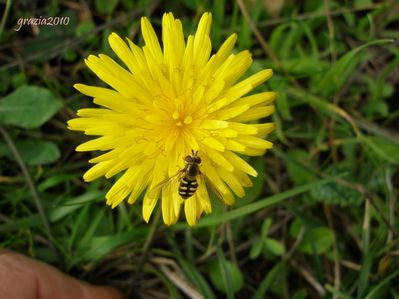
<point>187,187</point>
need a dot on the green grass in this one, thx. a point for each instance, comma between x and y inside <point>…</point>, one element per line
<point>322,218</point>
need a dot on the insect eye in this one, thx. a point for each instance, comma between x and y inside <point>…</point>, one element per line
<point>198,160</point>
<point>187,159</point>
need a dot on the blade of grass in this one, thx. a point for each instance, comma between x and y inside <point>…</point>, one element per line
<point>341,70</point>
<point>268,280</point>
<point>197,279</point>
<point>4,17</point>
<point>22,223</point>
<point>226,276</point>
<point>378,287</point>
<point>173,292</point>
<point>256,206</point>
<point>35,196</point>
<point>334,291</point>
<point>322,105</point>
<point>364,276</point>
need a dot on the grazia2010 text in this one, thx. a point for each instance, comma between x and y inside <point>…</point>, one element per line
<point>42,21</point>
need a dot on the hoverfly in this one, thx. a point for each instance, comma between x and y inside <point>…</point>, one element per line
<point>187,177</point>
<point>188,183</point>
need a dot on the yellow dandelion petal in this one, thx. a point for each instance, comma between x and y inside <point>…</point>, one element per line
<point>219,185</point>
<point>174,120</point>
<point>107,156</point>
<point>245,86</point>
<point>240,164</point>
<point>103,143</point>
<point>254,142</point>
<point>177,200</point>
<point>190,210</point>
<point>151,40</point>
<point>203,197</point>
<point>94,91</point>
<point>97,170</point>
<point>233,145</point>
<point>243,178</point>
<point>122,50</point>
<point>263,98</point>
<point>202,42</point>
<point>253,152</point>
<point>168,209</point>
<point>118,197</point>
<point>230,112</point>
<point>213,143</point>
<point>254,113</point>
<point>141,182</point>
<point>232,181</point>
<point>244,129</point>
<point>264,129</point>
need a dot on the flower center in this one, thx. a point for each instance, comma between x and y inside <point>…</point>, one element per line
<point>180,119</point>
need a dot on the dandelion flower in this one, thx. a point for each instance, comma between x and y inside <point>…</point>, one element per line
<point>168,102</point>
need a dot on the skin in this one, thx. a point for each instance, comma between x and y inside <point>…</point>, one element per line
<point>22,277</point>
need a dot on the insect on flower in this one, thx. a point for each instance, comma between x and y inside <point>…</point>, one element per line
<point>171,100</point>
<point>187,177</point>
<point>188,183</point>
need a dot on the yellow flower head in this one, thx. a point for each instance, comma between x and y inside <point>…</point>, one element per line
<point>169,103</point>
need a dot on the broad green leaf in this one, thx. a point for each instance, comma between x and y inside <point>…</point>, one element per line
<point>100,246</point>
<point>85,30</point>
<point>69,206</point>
<point>56,180</point>
<point>317,240</point>
<point>295,227</point>
<point>256,249</point>
<point>106,7</point>
<point>333,193</point>
<point>28,107</point>
<point>38,152</point>
<point>215,274</point>
<point>267,223</point>
<point>34,152</point>
<point>274,246</point>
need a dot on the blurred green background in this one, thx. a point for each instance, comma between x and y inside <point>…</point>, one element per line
<point>322,218</point>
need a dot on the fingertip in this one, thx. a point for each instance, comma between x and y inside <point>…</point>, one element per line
<point>103,292</point>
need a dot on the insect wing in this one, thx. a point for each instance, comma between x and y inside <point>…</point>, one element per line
<point>154,192</point>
